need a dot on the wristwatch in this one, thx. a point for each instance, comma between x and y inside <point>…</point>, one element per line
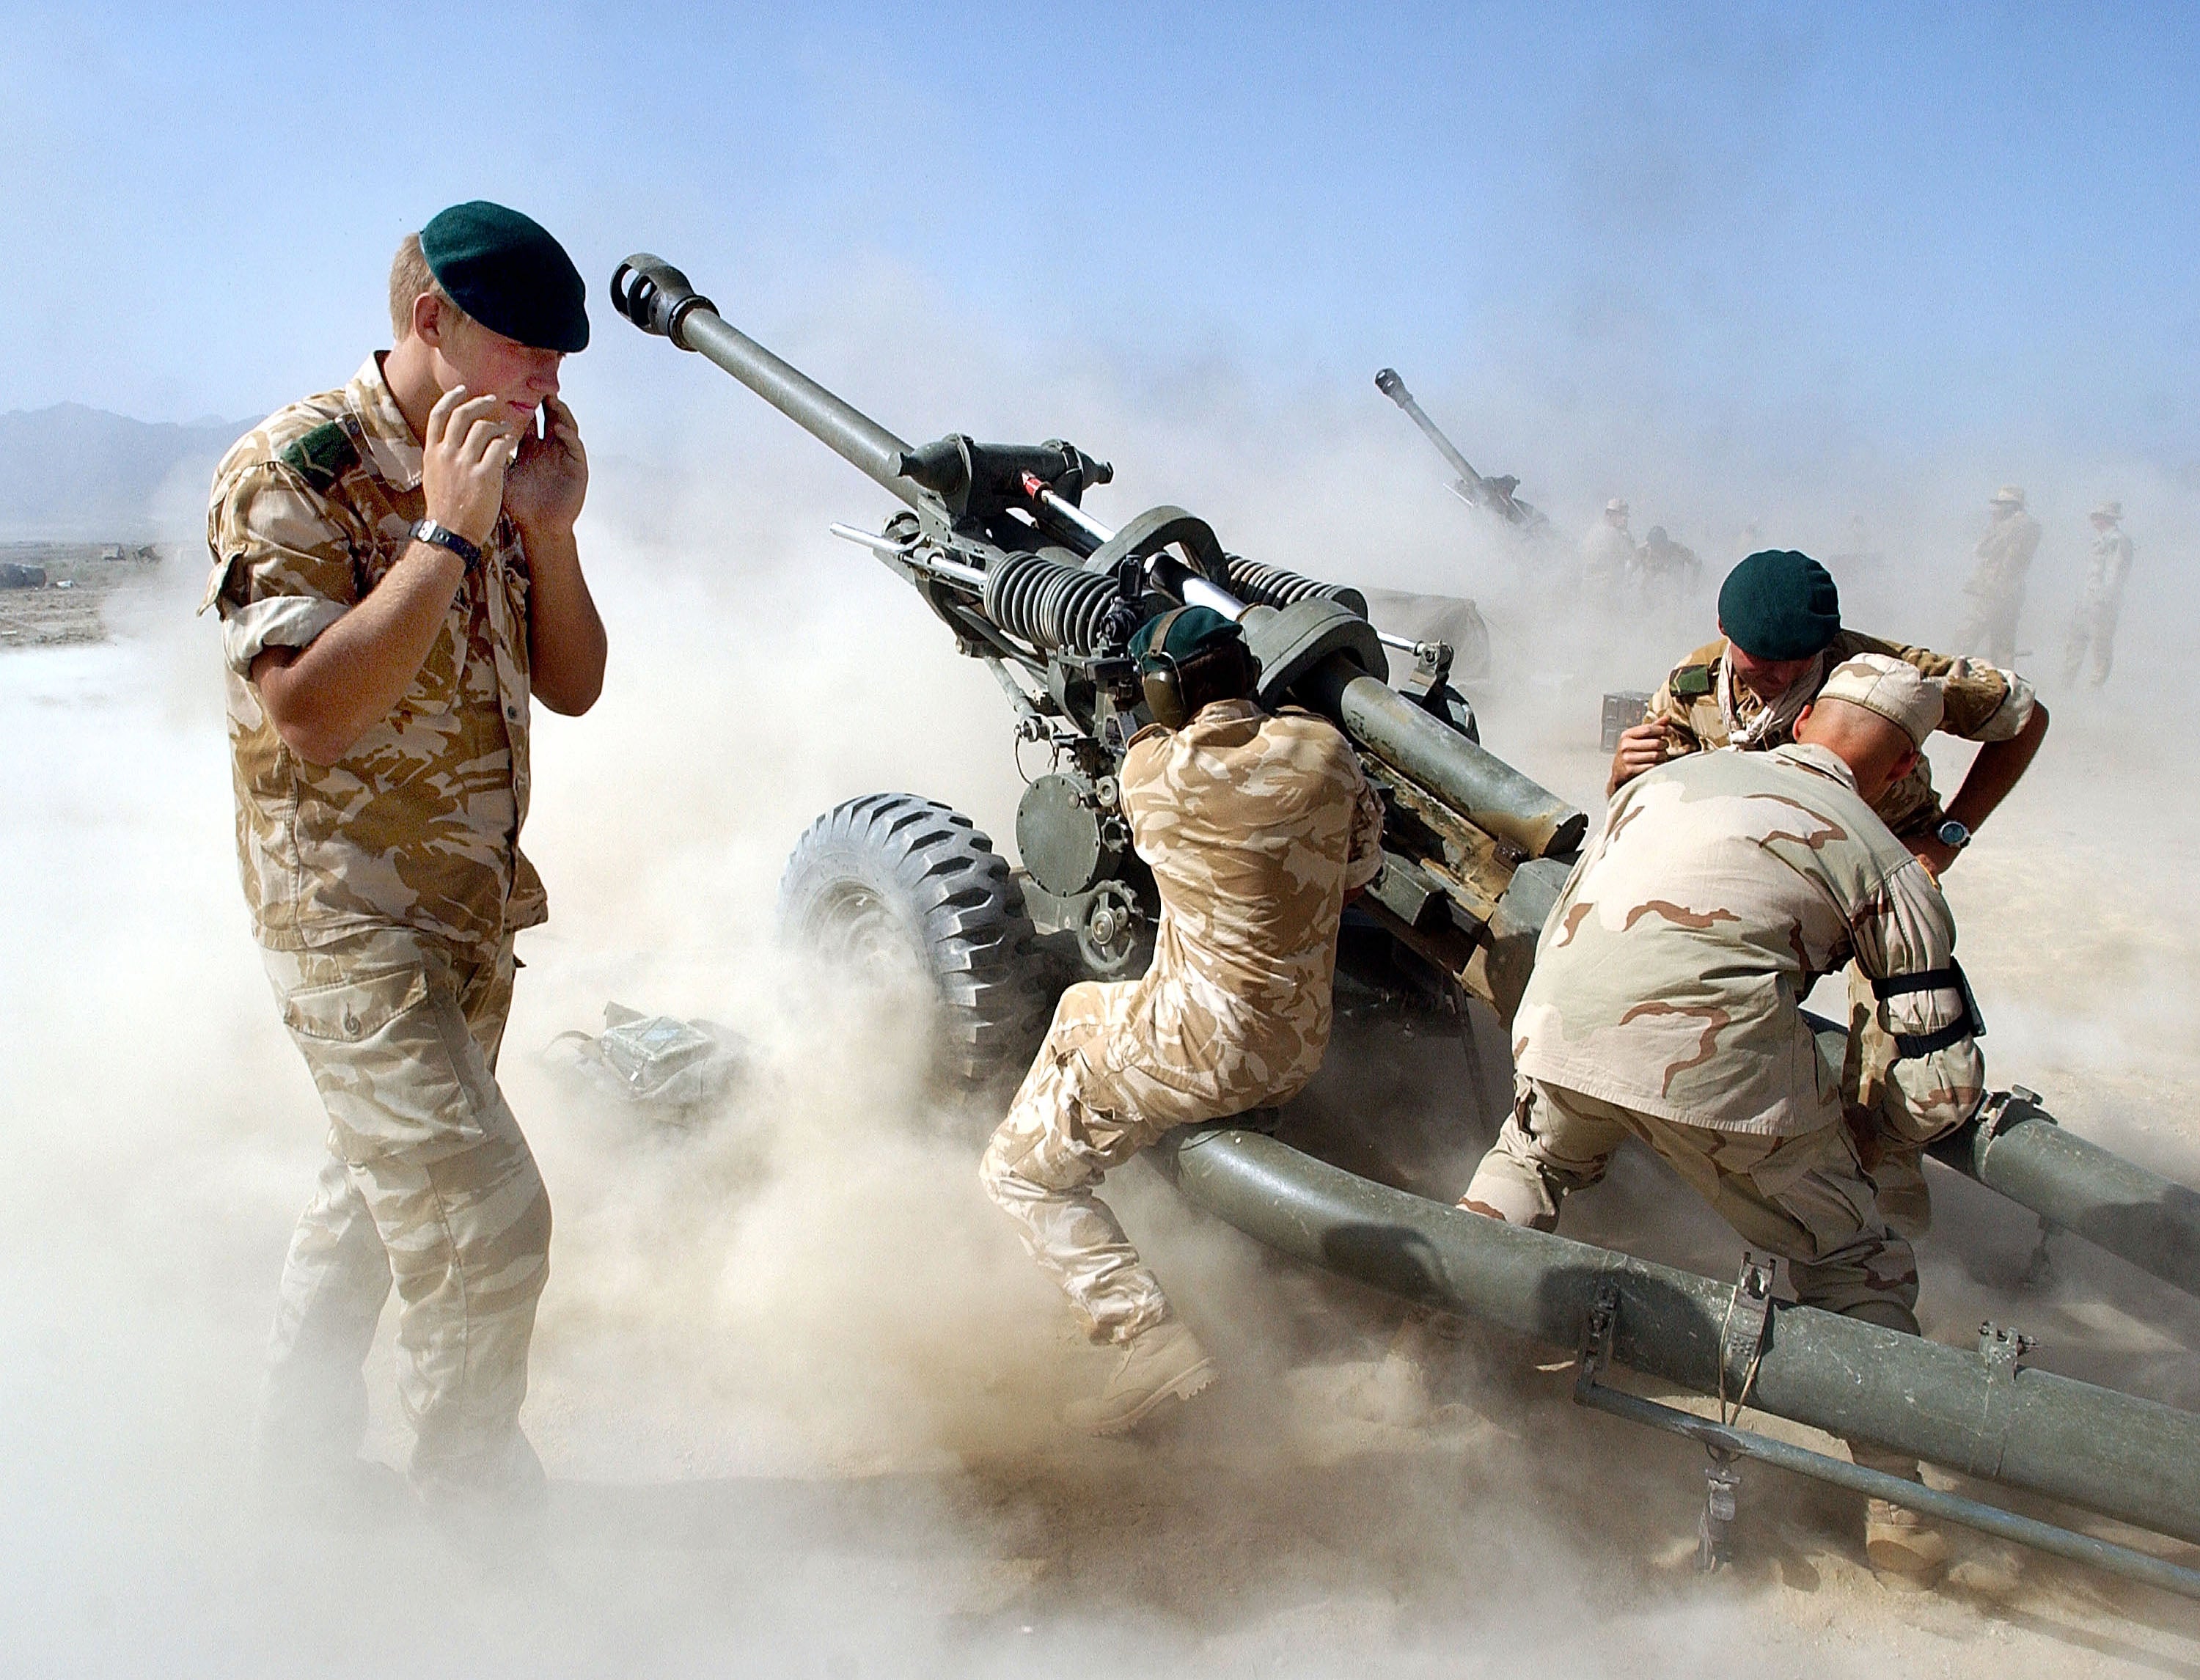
<point>427,531</point>
<point>1952,835</point>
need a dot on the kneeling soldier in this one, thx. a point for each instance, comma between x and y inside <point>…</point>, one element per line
<point>1257,827</point>
<point>1664,1007</point>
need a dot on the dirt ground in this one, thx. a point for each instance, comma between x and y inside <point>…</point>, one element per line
<point>65,609</point>
<point>794,1383</point>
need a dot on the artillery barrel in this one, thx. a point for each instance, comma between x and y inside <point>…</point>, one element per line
<point>2149,1220</point>
<point>1388,381</point>
<point>2127,1458</point>
<point>1475,782</point>
<point>659,298</point>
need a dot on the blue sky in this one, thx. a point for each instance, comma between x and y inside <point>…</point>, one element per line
<point>1910,225</point>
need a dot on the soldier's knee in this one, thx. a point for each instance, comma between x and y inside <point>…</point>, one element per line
<point>496,1212</point>
<point>1505,1187</point>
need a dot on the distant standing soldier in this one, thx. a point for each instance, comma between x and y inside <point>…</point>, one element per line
<point>2102,600</point>
<point>1779,615</point>
<point>1669,570</point>
<point>1608,557</point>
<point>1664,1008</point>
<point>396,576</point>
<point>1257,828</point>
<point>1997,582</point>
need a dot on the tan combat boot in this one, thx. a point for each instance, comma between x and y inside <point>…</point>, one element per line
<point>1900,1543</point>
<point>1163,1360</point>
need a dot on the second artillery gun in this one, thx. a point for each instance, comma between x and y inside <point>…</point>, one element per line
<point>996,540</point>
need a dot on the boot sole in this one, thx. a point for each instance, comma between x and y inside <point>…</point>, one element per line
<point>1195,1381</point>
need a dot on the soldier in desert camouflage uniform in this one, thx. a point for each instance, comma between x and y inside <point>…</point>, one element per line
<point>2101,601</point>
<point>396,577</point>
<point>1779,618</point>
<point>1995,585</point>
<point>1257,827</point>
<point>1664,1007</point>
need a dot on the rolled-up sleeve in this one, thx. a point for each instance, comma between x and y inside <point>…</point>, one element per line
<point>1904,931</point>
<point>1982,702</point>
<point>1978,701</point>
<point>283,557</point>
<point>1676,718</point>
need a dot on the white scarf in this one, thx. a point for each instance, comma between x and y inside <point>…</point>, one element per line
<point>1776,718</point>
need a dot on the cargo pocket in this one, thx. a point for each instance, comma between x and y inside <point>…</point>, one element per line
<point>388,1064</point>
<point>354,1009</point>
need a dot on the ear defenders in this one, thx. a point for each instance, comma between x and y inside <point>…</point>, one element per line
<point>1168,682</point>
<point>1161,677</point>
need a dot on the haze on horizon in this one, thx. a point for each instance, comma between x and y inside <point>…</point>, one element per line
<point>1892,232</point>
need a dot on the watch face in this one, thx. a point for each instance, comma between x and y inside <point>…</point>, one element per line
<point>1954,834</point>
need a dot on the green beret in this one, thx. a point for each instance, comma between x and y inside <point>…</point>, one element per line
<point>505,271</point>
<point>1192,631</point>
<point>1779,605</point>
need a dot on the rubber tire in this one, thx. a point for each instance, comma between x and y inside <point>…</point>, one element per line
<point>895,868</point>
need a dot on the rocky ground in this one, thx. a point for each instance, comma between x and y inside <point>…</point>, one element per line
<point>51,592</point>
<point>794,1383</point>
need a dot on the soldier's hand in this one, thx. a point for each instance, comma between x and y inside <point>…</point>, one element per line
<point>462,470</point>
<point>1928,850</point>
<point>1641,748</point>
<point>549,478</point>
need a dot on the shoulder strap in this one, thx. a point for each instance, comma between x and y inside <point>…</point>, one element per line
<point>1690,682</point>
<point>322,456</point>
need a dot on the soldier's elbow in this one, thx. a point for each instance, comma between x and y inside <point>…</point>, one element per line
<point>316,743</point>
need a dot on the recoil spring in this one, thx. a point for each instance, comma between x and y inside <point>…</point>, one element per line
<point>1049,605</point>
<point>1272,586</point>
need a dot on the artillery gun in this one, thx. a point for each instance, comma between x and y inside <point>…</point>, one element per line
<point>1491,495</point>
<point>996,540</point>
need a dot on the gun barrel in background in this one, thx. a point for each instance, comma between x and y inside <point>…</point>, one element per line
<point>1388,381</point>
<point>659,299</point>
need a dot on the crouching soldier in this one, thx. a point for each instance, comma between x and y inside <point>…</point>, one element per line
<point>1779,636</point>
<point>1664,1007</point>
<point>1257,827</point>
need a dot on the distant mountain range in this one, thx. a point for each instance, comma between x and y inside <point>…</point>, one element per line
<point>70,473</point>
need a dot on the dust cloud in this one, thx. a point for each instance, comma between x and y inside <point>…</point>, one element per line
<point>794,1383</point>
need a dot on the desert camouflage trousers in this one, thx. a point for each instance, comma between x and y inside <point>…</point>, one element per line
<point>1068,1125</point>
<point>1990,627</point>
<point>2092,631</point>
<point>429,1184</point>
<point>1804,1199</point>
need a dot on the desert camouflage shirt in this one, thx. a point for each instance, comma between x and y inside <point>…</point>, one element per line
<point>1256,825</point>
<point>2004,558</point>
<point>418,824</point>
<point>2106,568</point>
<point>1669,976</point>
<point>1981,702</point>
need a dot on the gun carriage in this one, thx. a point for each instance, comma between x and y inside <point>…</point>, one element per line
<point>997,540</point>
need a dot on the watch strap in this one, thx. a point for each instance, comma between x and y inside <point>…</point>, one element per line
<point>442,536</point>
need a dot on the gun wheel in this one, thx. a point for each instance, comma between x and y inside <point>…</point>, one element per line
<point>896,887</point>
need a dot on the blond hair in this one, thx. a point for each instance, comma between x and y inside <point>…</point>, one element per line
<point>410,277</point>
